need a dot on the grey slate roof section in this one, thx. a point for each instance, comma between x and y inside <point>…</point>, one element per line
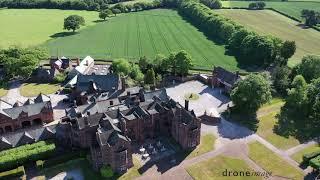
<point>226,76</point>
<point>161,94</point>
<point>31,109</point>
<point>105,83</point>
<point>25,136</point>
<point>41,98</point>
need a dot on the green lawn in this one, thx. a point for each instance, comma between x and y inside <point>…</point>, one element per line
<point>271,23</point>
<point>3,91</point>
<point>206,145</point>
<point>298,155</point>
<point>29,27</point>
<point>33,89</point>
<point>271,162</point>
<point>267,120</point>
<point>291,8</point>
<point>133,172</point>
<point>144,33</point>
<point>214,168</point>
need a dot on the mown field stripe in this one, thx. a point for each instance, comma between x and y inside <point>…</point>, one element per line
<point>160,33</point>
<point>138,36</point>
<point>150,35</point>
<point>189,40</point>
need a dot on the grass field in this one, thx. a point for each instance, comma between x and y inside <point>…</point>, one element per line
<point>271,162</point>
<point>33,89</point>
<point>214,168</point>
<point>272,23</point>
<point>146,33</point>
<point>291,8</point>
<point>29,27</point>
<point>267,120</point>
<point>298,155</point>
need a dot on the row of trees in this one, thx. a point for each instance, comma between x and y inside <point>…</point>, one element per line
<point>150,71</point>
<point>311,17</point>
<point>91,5</point>
<point>247,46</point>
<point>213,4</point>
<point>20,62</point>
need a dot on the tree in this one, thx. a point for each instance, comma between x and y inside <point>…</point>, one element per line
<point>281,79</point>
<point>288,49</point>
<point>20,62</point>
<point>105,13</point>
<point>144,64</point>
<point>309,67</point>
<point>213,4</point>
<point>73,22</point>
<point>183,62</point>
<point>116,11</point>
<point>257,5</point>
<point>121,67</point>
<point>297,94</point>
<point>250,93</point>
<point>106,171</point>
<point>135,73</point>
<point>311,17</point>
<point>137,6</point>
<point>149,77</point>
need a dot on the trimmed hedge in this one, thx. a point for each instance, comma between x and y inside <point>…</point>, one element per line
<point>309,156</point>
<point>12,173</point>
<point>315,163</point>
<point>15,157</point>
<point>60,159</point>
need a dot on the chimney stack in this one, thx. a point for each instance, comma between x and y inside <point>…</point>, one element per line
<point>123,83</point>
<point>186,104</point>
<point>74,103</point>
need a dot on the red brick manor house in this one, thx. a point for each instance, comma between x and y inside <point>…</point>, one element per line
<point>109,127</point>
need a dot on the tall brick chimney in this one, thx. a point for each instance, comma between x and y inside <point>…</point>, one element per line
<point>186,104</point>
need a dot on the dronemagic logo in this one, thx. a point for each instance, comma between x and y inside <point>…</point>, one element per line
<point>246,173</point>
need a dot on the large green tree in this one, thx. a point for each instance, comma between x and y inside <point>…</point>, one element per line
<point>19,62</point>
<point>73,22</point>
<point>309,67</point>
<point>183,63</point>
<point>281,79</point>
<point>121,67</point>
<point>250,93</point>
<point>150,77</point>
<point>103,14</point>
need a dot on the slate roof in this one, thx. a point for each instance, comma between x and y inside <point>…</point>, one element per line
<point>110,133</point>
<point>42,98</point>
<point>225,75</point>
<point>25,136</point>
<point>32,109</point>
<point>105,83</point>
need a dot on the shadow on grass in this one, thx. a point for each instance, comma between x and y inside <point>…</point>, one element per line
<point>250,121</point>
<point>63,34</point>
<point>100,20</point>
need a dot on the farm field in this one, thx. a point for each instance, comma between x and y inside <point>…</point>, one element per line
<point>145,33</point>
<point>271,23</point>
<point>290,8</point>
<point>29,27</point>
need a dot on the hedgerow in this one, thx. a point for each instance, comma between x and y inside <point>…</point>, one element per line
<point>15,157</point>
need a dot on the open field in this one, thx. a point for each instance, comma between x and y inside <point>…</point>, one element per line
<point>33,89</point>
<point>271,162</point>
<point>271,23</point>
<point>29,27</point>
<point>298,155</point>
<point>206,145</point>
<point>214,168</point>
<point>145,33</point>
<point>290,8</point>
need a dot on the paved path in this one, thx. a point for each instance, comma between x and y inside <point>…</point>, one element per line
<point>300,147</point>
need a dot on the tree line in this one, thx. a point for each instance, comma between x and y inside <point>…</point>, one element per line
<point>249,47</point>
<point>311,17</point>
<point>91,5</point>
<point>150,71</point>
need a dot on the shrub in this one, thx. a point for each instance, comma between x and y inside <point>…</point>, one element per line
<point>309,156</point>
<point>12,173</point>
<point>28,153</point>
<point>106,171</point>
<point>315,163</point>
<point>60,78</point>
<point>39,164</point>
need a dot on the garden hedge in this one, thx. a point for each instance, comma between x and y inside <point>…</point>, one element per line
<point>12,173</point>
<point>15,157</point>
<point>309,156</point>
